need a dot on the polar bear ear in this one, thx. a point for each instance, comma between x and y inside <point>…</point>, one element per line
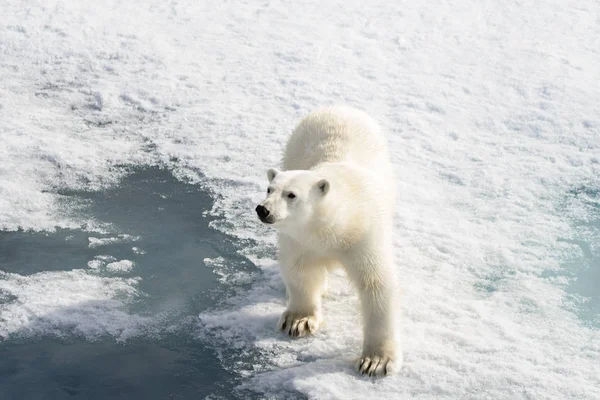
<point>323,186</point>
<point>271,173</point>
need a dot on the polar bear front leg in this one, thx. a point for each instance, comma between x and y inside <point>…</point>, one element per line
<point>305,283</point>
<point>381,353</point>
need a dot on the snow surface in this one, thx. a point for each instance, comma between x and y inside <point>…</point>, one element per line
<point>123,238</point>
<point>492,114</point>
<point>120,266</point>
<point>58,303</point>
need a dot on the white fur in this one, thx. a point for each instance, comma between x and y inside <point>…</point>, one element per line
<point>336,164</point>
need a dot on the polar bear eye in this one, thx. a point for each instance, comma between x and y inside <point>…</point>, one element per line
<point>291,196</point>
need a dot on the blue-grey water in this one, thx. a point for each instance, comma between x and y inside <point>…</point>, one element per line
<point>169,217</point>
<point>585,269</point>
<point>586,285</point>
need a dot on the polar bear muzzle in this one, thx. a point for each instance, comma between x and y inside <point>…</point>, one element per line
<point>263,214</point>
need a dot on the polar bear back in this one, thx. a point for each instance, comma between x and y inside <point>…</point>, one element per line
<point>336,134</point>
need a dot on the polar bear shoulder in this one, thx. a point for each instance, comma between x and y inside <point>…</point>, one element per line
<point>333,135</point>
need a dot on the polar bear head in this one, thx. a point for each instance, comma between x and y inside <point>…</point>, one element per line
<point>292,197</point>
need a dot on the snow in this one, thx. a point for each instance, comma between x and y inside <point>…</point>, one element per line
<point>122,238</point>
<point>137,250</point>
<point>120,266</point>
<point>59,303</point>
<point>491,109</point>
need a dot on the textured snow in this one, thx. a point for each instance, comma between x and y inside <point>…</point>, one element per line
<point>120,266</point>
<point>137,250</point>
<point>123,238</point>
<point>491,110</point>
<point>59,303</point>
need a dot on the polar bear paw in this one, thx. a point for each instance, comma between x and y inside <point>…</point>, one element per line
<point>376,366</point>
<point>297,325</point>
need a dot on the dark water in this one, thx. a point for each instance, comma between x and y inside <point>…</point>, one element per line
<point>168,216</point>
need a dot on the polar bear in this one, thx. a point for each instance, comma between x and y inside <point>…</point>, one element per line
<point>332,205</point>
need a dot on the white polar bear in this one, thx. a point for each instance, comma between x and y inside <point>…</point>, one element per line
<point>333,205</point>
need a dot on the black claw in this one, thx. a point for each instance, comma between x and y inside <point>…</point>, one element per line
<point>284,324</point>
<point>365,367</point>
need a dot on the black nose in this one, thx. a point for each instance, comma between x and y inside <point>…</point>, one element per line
<point>262,211</point>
